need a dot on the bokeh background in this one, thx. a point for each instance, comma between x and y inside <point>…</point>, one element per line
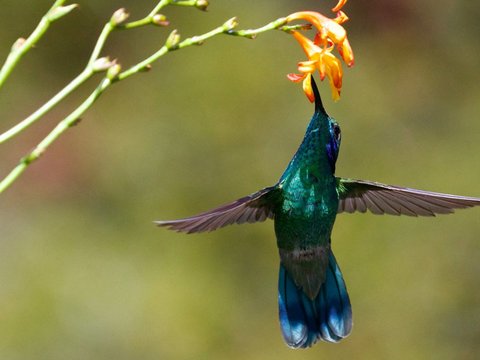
<point>84,274</point>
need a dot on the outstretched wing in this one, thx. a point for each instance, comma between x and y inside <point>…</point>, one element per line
<point>360,195</point>
<point>251,208</point>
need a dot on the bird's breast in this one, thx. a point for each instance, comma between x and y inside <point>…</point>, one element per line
<point>305,216</point>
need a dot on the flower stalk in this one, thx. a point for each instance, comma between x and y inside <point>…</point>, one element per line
<point>22,46</point>
<point>113,71</point>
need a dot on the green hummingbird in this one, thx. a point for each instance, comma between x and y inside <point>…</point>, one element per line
<point>312,296</point>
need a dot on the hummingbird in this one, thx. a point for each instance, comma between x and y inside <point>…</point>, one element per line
<point>312,297</point>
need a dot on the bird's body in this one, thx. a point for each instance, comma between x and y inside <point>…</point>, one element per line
<point>313,300</point>
<point>306,209</point>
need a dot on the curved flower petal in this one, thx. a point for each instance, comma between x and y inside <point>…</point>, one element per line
<point>341,18</point>
<point>296,77</point>
<point>322,69</point>
<point>334,74</point>
<point>335,93</point>
<point>307,66</point>
<point>307,88</point>
<point>307,45</point>
<point>325,26</point>
<point>345,51</point>
<point>333,69</point>
<point>340,4</point>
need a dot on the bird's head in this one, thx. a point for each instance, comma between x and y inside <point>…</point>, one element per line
<point>330,133</point>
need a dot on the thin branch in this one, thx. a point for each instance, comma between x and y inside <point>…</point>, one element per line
<point>254,32</point>
<point>74,84</point>
<point>86,74</point>
<point>62,126</point>
<point>22,46</point>
<point>113,75</point>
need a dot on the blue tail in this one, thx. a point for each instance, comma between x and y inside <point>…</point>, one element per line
<point>304,321</point>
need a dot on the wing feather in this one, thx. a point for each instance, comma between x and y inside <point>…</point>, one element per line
<point>360,195</point>
<point>252,208</point>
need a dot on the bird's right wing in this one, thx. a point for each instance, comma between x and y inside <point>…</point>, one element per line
<point>252,208</point>
<point>360,195</point>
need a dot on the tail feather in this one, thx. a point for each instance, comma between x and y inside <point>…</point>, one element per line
<point>328,317</point>
<point>325,332</point>
<point>293,318</point>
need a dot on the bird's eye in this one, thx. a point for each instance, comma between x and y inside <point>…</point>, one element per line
<point>336,132</point>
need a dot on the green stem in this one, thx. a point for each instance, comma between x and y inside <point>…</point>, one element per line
<point>62,126</point>
<point>75,83</point>
<point>19,49</point>
<point>157,8</point>
<point>147,20</point>
<point>183,2</point>
<point>144,65</point>
<point>62,94</point>
<point>72,119</point>
<point>198,40</point>
<point>102,38</point>
<point>252,33</point>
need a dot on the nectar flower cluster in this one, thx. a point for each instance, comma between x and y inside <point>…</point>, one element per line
<point>330,33</point>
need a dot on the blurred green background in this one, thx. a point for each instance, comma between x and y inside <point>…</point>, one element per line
<point>84,274</point>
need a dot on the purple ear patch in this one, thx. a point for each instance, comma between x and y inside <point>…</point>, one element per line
<point>333,146</point>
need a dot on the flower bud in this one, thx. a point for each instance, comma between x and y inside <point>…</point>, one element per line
<point>201,5</point>
<point>119,17</point>
<point>172,40</point>
<point>146,68</point>
<point>18,44</point>
<point>60,11</point>
<point>113,71</point>
<point>230,24</point>
<point>160,20</point>
<point>102,64</point>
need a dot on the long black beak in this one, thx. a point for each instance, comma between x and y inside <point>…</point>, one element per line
<point>318,100</point>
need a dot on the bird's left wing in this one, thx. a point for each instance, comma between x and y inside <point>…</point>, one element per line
<point>360,195</point>
<point>252,208</point>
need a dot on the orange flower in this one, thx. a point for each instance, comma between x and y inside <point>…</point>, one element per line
<point>330,32</point>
